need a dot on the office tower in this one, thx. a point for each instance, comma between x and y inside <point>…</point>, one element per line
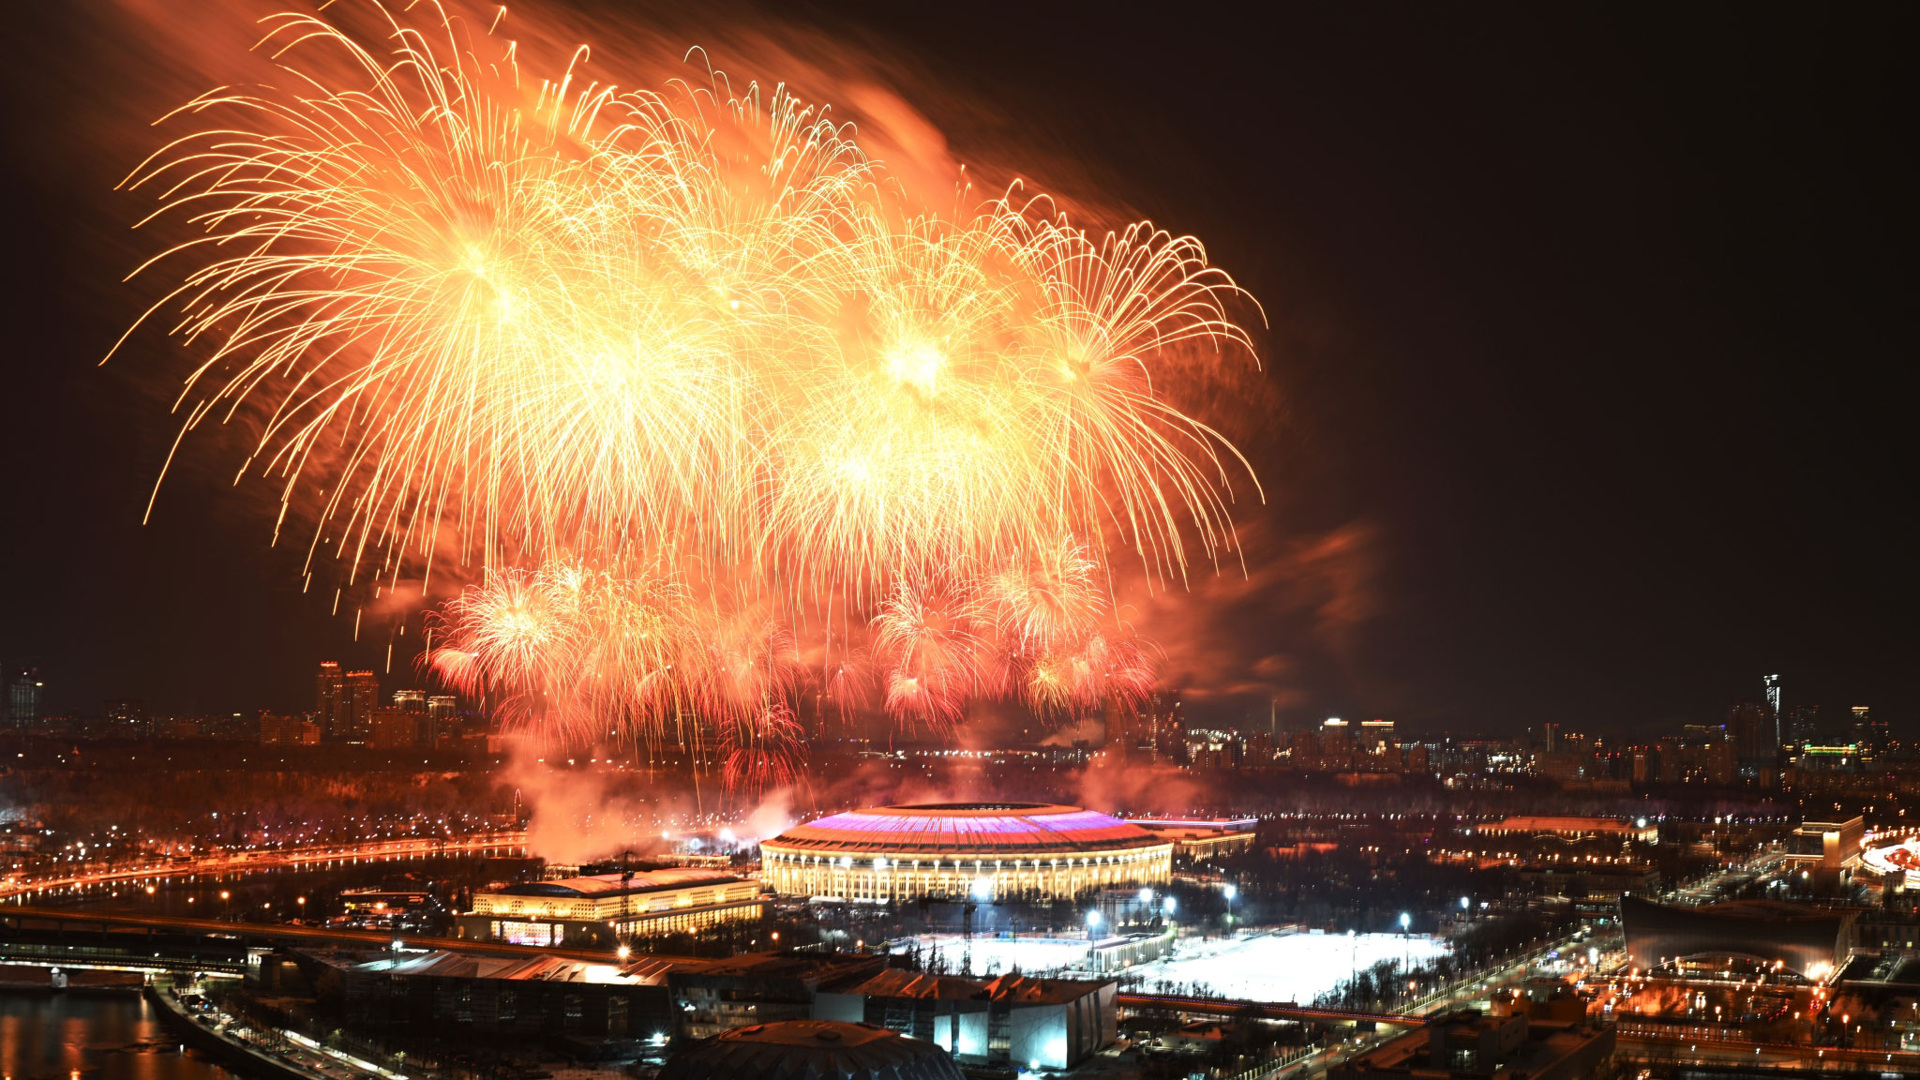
<point>1771,684</point>
<point>1803,727</point>
<point>411,701</point>
<point>1553,736</point>
<point>1871,734</point>
<point>26,695</point>
<point>1375,736</point>
<point>1334,737</point>
<point>1756,736</point>
<point>327,702</point>
<point>360,697</point>
<point>442,711</point>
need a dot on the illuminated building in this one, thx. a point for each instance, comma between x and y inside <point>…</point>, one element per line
<point>1827,845</point>
<point>986,851</point>
<point>1334,736</point>
<point>345,702</point>
<point>392,729</point>
<point>411,701</point>
<point>1376,736</point>
<point>26,695</point>
<point>360,695</point>
<point>443,711</point>
<point>327,704</point>
<point>597,911</point>
<point>1054,1023</point>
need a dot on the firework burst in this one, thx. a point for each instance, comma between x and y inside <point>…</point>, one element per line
<point>673,369</point>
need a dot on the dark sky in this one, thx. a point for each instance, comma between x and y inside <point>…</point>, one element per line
<point>1585,351</point>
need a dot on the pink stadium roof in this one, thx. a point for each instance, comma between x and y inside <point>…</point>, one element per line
<point>967,829</point>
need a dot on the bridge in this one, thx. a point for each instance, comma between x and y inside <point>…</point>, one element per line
<point>226,862</point>
<point>140,942</point>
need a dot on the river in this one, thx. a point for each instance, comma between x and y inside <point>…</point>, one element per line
<point>92,1036</point>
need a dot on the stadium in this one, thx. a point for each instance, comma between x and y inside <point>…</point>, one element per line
<point>979,851</point>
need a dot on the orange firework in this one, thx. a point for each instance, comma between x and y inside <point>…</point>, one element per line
<point>622,348</point>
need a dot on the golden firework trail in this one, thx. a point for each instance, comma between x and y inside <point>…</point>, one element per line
<point>626,352</point>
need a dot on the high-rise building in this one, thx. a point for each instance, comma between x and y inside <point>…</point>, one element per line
<point>1334,737</point>
<point>328,705</point>
<point>1756,736</point>
<point>442,709</point>
<point>1553,736</point>
<point>1871,734</point>
<point>1803,726</point>
<point>360,693</point>
<point>26,696</point>
<point>411,701</point>
<point>1771,685</point>
<point>1375,736</point>
<point>1169,729</point>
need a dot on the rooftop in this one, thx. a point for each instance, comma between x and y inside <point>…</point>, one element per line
<point>967,828</point>
<point>676,877</point>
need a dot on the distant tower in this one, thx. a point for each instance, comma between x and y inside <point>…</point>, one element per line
<point>1772,685</point>
<point>26,695</point>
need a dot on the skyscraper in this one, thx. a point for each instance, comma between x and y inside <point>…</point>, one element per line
<point>1871,734</point>
<point>360,693</point>
<point>1803,727</point>
<point>327,701</point>
<point>441,710</point>
<point>1771,684</point>
<point>26,695</point>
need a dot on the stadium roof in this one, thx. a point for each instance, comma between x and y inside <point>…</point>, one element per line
<point>965,829</point>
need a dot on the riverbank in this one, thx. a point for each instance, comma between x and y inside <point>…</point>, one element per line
<point>214,1034</point>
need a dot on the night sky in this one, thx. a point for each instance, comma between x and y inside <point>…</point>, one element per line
<point>1584,394</point>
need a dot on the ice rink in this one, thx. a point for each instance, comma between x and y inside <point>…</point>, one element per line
<point>1279,967</point>
<point>1257,967</point>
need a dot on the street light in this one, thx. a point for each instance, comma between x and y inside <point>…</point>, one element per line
<point>1229,892</point>
<point>1093,925</point>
